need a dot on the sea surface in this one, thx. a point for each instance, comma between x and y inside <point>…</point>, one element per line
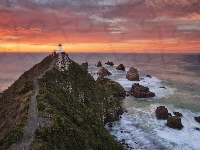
<point>178,73</point>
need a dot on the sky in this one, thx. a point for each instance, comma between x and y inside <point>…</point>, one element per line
<point>132,26</point>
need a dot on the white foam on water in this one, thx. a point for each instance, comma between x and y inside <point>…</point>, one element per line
<point>141,129</point>
<point>187,137</point>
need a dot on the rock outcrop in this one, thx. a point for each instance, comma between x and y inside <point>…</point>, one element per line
<point>84,65</point>
<point>99,64</point>
<point>113,115</point>
<point>121,67</point>
<point>174,122</point>
<point>110,63</point>
<point>162,112</point>
<point>104,72</point>
<point>132,74</point>
<point>178,114</point>
<point>140,91</point>
<point>197,119</point>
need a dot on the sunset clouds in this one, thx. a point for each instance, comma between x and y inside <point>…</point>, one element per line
<point>103,25</point>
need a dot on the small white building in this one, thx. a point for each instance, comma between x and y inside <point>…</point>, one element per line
<point>59,49</point>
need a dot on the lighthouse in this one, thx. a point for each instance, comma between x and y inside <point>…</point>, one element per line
<point>59,49</point>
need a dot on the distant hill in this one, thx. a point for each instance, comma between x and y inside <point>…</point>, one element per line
<point>64,107</point>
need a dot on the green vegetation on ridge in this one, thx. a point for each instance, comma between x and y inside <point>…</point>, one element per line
<point>77,105</point>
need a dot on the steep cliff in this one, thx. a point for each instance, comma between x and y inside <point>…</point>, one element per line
<point>71,108</point>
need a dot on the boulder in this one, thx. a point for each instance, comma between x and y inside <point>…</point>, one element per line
<point>84,65</point>
<point>104,72</point>
<point>99,64</point>
<point>178,114</point>
<point>149,76</point>
<point>174,122</point>
<point>197,119</point>
<point>132,74</point>
<point>121,67</point>
<point>140,91</point>
<point>162,112</point>
<point>110,63</point>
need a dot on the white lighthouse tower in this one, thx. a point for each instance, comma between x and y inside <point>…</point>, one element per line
<point>59,49</point>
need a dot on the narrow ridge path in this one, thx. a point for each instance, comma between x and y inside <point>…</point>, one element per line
<point>33,119</point>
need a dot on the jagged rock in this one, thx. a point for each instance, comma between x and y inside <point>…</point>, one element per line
<point>84,65</point>
<point>132,74</point>
<point>178,114</point>
<point>197,119</point>
<point>121,67</point>
<point>110,63</point>
<point>104,72</point>
<point>140,91</point>
<point>174,122</point>
<point>149,76</point>
<point>161,112</point>
<point>99,64</point>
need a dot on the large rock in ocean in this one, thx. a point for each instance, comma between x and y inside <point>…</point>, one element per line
<point>103,72</point>
<point>99,64</point>
<point>110,63</point>
<point>140,91</point>
<point>161,112</point>
<point>174,122</point>
<point>132,74</point>
<point>121,67</point>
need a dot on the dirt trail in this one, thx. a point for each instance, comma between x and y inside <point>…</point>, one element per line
<point>33,121</point>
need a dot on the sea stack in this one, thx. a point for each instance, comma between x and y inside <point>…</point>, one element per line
<point>132,74</point>
<point>104,72</point>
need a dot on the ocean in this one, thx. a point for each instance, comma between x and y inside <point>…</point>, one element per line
<point>138,127</point>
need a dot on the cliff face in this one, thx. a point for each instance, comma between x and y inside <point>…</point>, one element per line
<point>75,105</point>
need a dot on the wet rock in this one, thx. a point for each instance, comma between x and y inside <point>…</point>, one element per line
<point>174,122</point>
<point>162,87</point>
<point>121,67</point>
<point>198,129</point>
<point>99,64</point>
<point>197,119</point>
<point>140,91</point>
<point>104,72</point>
<point>110,63</point>
<point>149,76</point>
<point>132,74</point>
<point>84,65</point>
<point>161,112</point>
<point>169,114</point>
<point>178,114</point>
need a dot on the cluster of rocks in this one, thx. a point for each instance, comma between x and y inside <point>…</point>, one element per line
<point>172,121</point>
<point>137,90</point>
<point>140,91</point>
<point>110,63</point>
